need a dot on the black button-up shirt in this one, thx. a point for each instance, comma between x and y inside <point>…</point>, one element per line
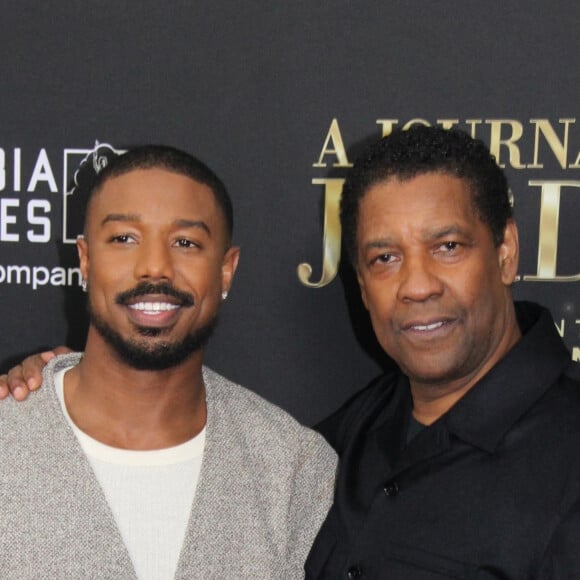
<point>490,490</point>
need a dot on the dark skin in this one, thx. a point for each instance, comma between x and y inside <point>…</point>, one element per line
<point>134,234</point>
<point>436,287</point>
<point>26,377</point>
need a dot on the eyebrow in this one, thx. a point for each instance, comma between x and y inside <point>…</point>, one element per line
<point>132,217</point>
<point>120,217</point>
<point>182,223</point>
<point>453,229</point>
<point>429,235</point>
<point>380,243</point>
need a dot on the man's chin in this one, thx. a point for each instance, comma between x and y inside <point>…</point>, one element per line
<point>153,355</point>
<point>152,331</point>
<point>158,357</point>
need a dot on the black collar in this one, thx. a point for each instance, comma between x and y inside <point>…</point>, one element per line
<point>500,398</point>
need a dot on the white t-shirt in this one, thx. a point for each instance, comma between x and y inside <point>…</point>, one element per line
<point>149,492</point>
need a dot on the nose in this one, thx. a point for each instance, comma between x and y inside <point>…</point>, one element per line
<point>154,260</point>
<point>418,279</point>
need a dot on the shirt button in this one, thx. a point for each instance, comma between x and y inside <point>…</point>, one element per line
<point>353,573</point>
<point>391,488</point>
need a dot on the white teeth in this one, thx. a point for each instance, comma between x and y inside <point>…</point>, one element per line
<point>153,307</point>
<point>428,326</point>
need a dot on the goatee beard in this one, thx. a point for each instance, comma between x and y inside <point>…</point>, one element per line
<point>158,355</point>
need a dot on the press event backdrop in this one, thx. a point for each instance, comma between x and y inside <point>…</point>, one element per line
<point>277,98</point>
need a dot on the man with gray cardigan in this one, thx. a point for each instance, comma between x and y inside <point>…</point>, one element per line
<point>135,460</point>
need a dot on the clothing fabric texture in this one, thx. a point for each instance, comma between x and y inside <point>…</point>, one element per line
<point>149,492</point>
<point>265,486</point>
<point>490,490</point>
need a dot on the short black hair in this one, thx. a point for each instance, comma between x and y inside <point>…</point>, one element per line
<point>405,154</point>
<point>174,160</point>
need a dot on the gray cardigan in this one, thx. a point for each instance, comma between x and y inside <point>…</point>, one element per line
<point>265,486</point>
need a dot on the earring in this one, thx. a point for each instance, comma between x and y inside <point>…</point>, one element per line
<point>84,285</point>
<point>224,294</point>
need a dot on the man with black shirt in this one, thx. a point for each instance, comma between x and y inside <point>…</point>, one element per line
<point>464,462</point>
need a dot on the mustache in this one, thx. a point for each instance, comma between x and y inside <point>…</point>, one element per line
<point>147,288</point>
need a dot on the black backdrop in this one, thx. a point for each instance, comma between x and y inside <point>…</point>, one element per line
<point>277,97</point>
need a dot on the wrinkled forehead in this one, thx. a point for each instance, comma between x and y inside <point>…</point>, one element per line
<point>429,201</point>
<point>461,183</point>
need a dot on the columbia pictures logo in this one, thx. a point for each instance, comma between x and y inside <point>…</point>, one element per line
<point>81,166</point>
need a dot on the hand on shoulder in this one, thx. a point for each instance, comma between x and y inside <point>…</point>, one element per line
<point>26,377</point>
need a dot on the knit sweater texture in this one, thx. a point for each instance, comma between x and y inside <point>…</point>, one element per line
<point>265,486</point>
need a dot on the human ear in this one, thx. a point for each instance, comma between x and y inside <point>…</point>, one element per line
<point>229,266</point>
<point>509,253</point>
<point>83,252</point>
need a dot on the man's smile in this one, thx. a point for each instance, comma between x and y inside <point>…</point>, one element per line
<point>155,305</point>
<point>428,328</point>
<point>151,308</point>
